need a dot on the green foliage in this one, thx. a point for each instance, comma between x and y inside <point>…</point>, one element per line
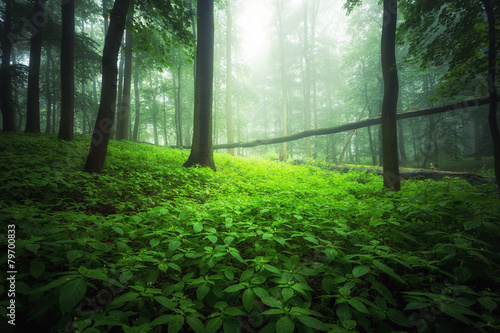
<point>150,246</point>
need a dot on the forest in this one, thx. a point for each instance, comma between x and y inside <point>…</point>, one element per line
<point>249,166</point>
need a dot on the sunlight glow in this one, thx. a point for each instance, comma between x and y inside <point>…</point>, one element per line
<point>252,22</point>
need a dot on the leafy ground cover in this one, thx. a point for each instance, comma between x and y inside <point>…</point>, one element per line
<point>259,246</point>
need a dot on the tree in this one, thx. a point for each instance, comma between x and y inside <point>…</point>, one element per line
<point>123,119</point>
<point>105,117</point>
<point>390,99</point>
<point>281,39</point>
<point>33,109</point>
<point>9,119</point>
<point>492,116</point>
<point>201,151</point>
<point>67,120</point>
<point>229,68</point>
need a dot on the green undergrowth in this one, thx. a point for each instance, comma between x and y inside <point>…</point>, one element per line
<point>258,246</point>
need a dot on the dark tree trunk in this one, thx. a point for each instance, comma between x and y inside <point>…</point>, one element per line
<point>401,142</point>
<point>135,135</point>
<point>106,114</point>
<point>123,121</point>
<point>202,152</point>
<point>67,119</point>
<point>9,119</point>
<point>48,92</point>
<point>33,110</point>
<point>492,116</point>
<point>390,101</point>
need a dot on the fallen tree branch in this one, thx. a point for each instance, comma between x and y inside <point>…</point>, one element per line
<point>356,125</point>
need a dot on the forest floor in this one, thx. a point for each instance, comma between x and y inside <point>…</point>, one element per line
<point>258,246</point>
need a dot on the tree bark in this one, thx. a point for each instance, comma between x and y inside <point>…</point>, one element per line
<point>67,120</point>
<point>9,119</point>
<point>48,92</point>
<point>492,116</point>
<point>202,151</point>
<point>229,101</point>
<point>390,100</point>
<point>359,124</point>
<point>123,121</point>
<point>307,83</point>
<point>135,135</point>
<point>33,108</point>
<point>105,117</point>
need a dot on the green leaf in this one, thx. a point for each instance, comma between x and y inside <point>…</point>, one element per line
<point>32,247</point>
<point>37,267</point>
<point>197,227</point>
<point>287,293</point>
<point>74,254</point>
<point>213,239</point>
<point>285,325</point>
<point>472,224</point>
<point>359,271</point>
<point>174,266</point>
<point>311,239</point>
<point>124,299</point>
<point>172,246</point>
<point>234,311</point>
<point>358,305</point>
<point>118,230</point>
<point>234,288</point>
<point>96,274</point>
<point>213,325</point>
<point>313,323</point>
<point>416,305</point>
<point>162,320</point>
<point>248,299</point>
<point>389,271</point>
<point>202,291</point>
<point>398,317</point>
<point>273,312</point>
<point>166,302</point>
<point>126,276</point>
<point>272,302</point>
<point>246,275</point>
<point>488,303</point>
<point>272,269</point>
<point>280,240</point>
<point>71,294</point>
<point>261,292</point>
<point>175,324</point>
<point>195,324</point>
<point>154,242</point>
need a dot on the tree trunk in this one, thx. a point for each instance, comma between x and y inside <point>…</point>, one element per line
<point>307,83</point>
<point>123,121</point>
<point>105,14</point>
<point>67,120</point>
<point>48,92</point>
<point>492,116</point>
<point>106,114</point>
<point>178,115</point>
<point>9,119</point>
<point>135,135</point>
<point>202,152</point>
<point>229,110</point>
<point>33,109</point>
<point>390,101</point>
<point>401,142</point>
<point>281,38</point>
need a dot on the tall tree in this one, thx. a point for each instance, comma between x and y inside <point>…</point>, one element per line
<point>229,84</point>
<point>105,117</point>
<point>123,119</point>
<point>135,135</point>
<point>48,91</point>
<point>492,88</point>
<point>390,99</point>
<point>33,102</point>
<point>67,119</point>
<point>9,119</point>
<point>201,151</point>
<point>307,83</point>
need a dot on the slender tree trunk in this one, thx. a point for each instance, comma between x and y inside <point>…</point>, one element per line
<point>135,135</point>
<point>6,103</point>
<point>492,116</point>
<point>307,83</point>
<point>202,152</point>
<point>106,114</point>
<point>48,92</point>
<point>123,121</point>
<point>33,109</point>
<point>105,13</point>
<point>390,101</point>
<point>178,114</point>
<point>401,142</point>
<point>119,97</point>
<point>229,110</point>
<point>281,38</point>
<point>165,137</point>
<point>67,120</point>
